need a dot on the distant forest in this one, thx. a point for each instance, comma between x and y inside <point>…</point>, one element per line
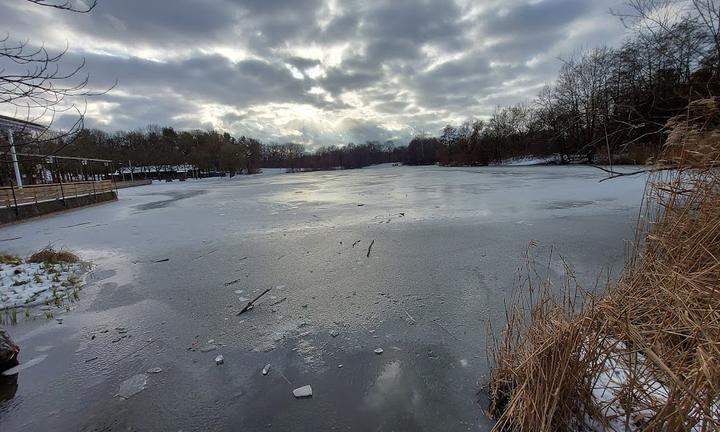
<point>606,104</point>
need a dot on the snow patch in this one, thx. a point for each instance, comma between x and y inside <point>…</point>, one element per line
<point>31,284</point>
<point>620,370</point>
<point>529,160</point>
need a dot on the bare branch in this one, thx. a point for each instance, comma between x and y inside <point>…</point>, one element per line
<point>39,85</point>
<point>77,6</point>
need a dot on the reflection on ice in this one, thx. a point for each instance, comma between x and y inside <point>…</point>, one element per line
<point>15,370</point>
<point>394,390</point>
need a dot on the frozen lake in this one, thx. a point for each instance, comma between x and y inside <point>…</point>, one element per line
<point>175,262</point>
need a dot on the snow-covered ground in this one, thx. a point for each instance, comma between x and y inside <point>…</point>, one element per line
<point>612,381</point>
<point>30,284</point>
<point>530,160</point>
<point>622,370</point>
<point>273,171</point>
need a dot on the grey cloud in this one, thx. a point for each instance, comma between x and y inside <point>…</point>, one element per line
<point>531,18</point>
<point>273,8</point>
<point>342,27</point>
<point>420,22</point>
<point>207,78</point>
<point>303,63</point>
<point>392,106</point>
<point>338,80</point>
<point>233,117</point>
<point>160,23</point>
<point>455,84</point>
<point>133,112</point>
<point>360,130</point>
<point>386,62</point>
<point>270,23</point>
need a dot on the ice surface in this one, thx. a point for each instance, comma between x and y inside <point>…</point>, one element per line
<point>148,217</point>
<point>460,240</point>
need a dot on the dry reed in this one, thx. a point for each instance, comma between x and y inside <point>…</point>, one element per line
<point>646,354</point>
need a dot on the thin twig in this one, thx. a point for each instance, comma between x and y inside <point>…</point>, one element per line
<point>446,330</point>
<point>251,303</point>
<point>369,248</point>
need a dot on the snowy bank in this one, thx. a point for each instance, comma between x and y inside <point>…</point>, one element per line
<point>30,284</point>
<point>529,161</point>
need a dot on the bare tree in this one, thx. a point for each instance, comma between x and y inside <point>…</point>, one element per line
<point>38,85</point>
<point>682,31</point>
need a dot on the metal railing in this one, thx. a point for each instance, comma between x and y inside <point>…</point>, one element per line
<point>14,196</point>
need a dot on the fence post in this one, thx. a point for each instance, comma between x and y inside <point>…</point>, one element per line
<point>115,185</point>
<point>12,188</point>
<point>62,192</point>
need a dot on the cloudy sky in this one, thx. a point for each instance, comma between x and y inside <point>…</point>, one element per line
<point>317,72</point>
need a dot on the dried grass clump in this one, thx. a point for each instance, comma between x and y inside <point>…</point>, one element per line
<point>540,374</point>
<point>646,355</point>
<point>49,255</point>
<point>694,138</point>
<point>6,258</point>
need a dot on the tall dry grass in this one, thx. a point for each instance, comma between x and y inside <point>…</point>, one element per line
<point>646,354</point>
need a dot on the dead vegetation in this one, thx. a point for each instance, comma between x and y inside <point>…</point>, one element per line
<point>6,258</point>
<point>646,355</point>
<point>49,255</point>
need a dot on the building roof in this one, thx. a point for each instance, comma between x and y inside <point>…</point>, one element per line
<point>20,125</point>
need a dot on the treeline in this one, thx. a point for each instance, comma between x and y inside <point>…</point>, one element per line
<point>294,156</point>
<point>161,148</point>
<point>211,152</point>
